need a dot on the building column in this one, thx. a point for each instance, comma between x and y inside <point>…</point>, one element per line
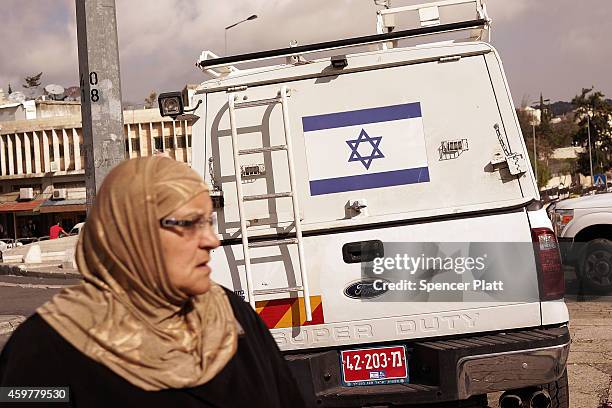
<point>187,145</point>
<point>18,155</point>
<point>11,162</point>
<point>46,154</point>
<point>2,156</point>
<point>77,149</point>
<point>28,154</point>
<point>66,149</point>
<point>56,153</point>
<point>36,141</point>
<point>174,139</point>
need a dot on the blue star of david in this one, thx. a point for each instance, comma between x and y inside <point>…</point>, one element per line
<point>365,138</point>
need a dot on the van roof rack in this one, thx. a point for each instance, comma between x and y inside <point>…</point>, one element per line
<point>436,13</point>
<point>431,22</point>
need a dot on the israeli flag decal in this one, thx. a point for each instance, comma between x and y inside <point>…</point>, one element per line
<point>365,149</point>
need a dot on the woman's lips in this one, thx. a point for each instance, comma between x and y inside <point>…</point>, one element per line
<point>203,265</point>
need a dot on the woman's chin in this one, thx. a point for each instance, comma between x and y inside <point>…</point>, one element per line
<point>200,287</point>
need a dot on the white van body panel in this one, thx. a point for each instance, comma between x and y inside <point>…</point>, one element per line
<point>465,198</point>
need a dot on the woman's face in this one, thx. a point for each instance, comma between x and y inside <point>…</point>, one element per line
<point>186,249</point>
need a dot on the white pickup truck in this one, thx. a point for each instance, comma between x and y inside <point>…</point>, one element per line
<point>328,174</point>
<point>584,229</point>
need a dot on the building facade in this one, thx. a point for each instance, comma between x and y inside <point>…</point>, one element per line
<point>42,165</point>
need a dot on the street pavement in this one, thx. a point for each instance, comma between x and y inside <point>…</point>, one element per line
<point>589,365</point>
<point>590,361</point>
<point>20,296</point>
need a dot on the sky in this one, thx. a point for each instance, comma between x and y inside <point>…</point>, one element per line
<point>553,47</point>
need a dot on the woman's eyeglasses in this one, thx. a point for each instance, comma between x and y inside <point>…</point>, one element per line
<point>193,225</point>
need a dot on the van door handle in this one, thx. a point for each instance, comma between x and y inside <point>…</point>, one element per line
<point>362,251</point>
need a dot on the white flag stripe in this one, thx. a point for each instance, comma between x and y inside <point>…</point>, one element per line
<point>402,144</point>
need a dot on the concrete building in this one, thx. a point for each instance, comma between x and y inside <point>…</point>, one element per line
<point>561,174</point>
<point>42,176</point>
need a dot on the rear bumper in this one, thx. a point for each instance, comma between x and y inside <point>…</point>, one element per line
<point>443,370</point>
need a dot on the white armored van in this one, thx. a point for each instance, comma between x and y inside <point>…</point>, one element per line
<point>322,168</point>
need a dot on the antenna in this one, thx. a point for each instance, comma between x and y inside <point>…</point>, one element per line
<point>55,92</point>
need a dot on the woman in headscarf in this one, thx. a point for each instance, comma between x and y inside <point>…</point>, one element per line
<point>148,327</point>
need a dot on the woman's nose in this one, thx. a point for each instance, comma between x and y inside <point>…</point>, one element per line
<point>209,240</point>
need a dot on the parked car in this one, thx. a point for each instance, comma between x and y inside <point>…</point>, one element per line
<point>583,227</point>
<point>5,244</point>
<point>76,229</point>
<point>8,243</point>
<point>26,241</point>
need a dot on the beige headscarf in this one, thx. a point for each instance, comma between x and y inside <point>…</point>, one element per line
<point>127,315</point>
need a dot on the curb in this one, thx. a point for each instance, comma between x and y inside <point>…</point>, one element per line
<point>22,271</point>
<point>10,325</point>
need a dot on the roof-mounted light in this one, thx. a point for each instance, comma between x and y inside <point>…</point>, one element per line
<point>171,104</point>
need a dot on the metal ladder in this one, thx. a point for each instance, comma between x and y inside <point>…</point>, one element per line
<point>234,105</point>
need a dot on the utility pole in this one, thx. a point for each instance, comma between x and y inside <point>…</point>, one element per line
<point>535,152</point>
<point>101,110</point>
<point>533,127</point>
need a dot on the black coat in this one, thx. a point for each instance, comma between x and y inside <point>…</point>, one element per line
<point>257,376</point>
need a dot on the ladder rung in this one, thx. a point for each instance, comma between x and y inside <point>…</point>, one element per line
<point>258,102</point>
<point>266,196</point>
<point>275,242</point>
<point>263,149</point>
<point>277,290</point>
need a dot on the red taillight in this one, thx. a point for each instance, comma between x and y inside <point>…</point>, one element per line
<point>552,282</point>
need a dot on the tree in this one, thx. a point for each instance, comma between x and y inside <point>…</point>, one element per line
<point>594,112</point>
<point>563,132</point>
<point>32,81</point>
<point>544,128</point>
<point>151,100</point>
<point>10,90</point>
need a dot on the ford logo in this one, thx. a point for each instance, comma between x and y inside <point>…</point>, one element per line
<point>364,289</point>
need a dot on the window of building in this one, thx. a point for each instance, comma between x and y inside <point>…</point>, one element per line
<point>189,140</point>
<point>180,142</point>
<point>169,142</point>
<point>158,143</point>
<point>135,145</point>
<point>70,184</point>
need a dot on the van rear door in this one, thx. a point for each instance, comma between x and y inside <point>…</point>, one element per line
<point>416,137</point>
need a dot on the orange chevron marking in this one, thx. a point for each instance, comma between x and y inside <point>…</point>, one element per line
<point>281,313</point>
